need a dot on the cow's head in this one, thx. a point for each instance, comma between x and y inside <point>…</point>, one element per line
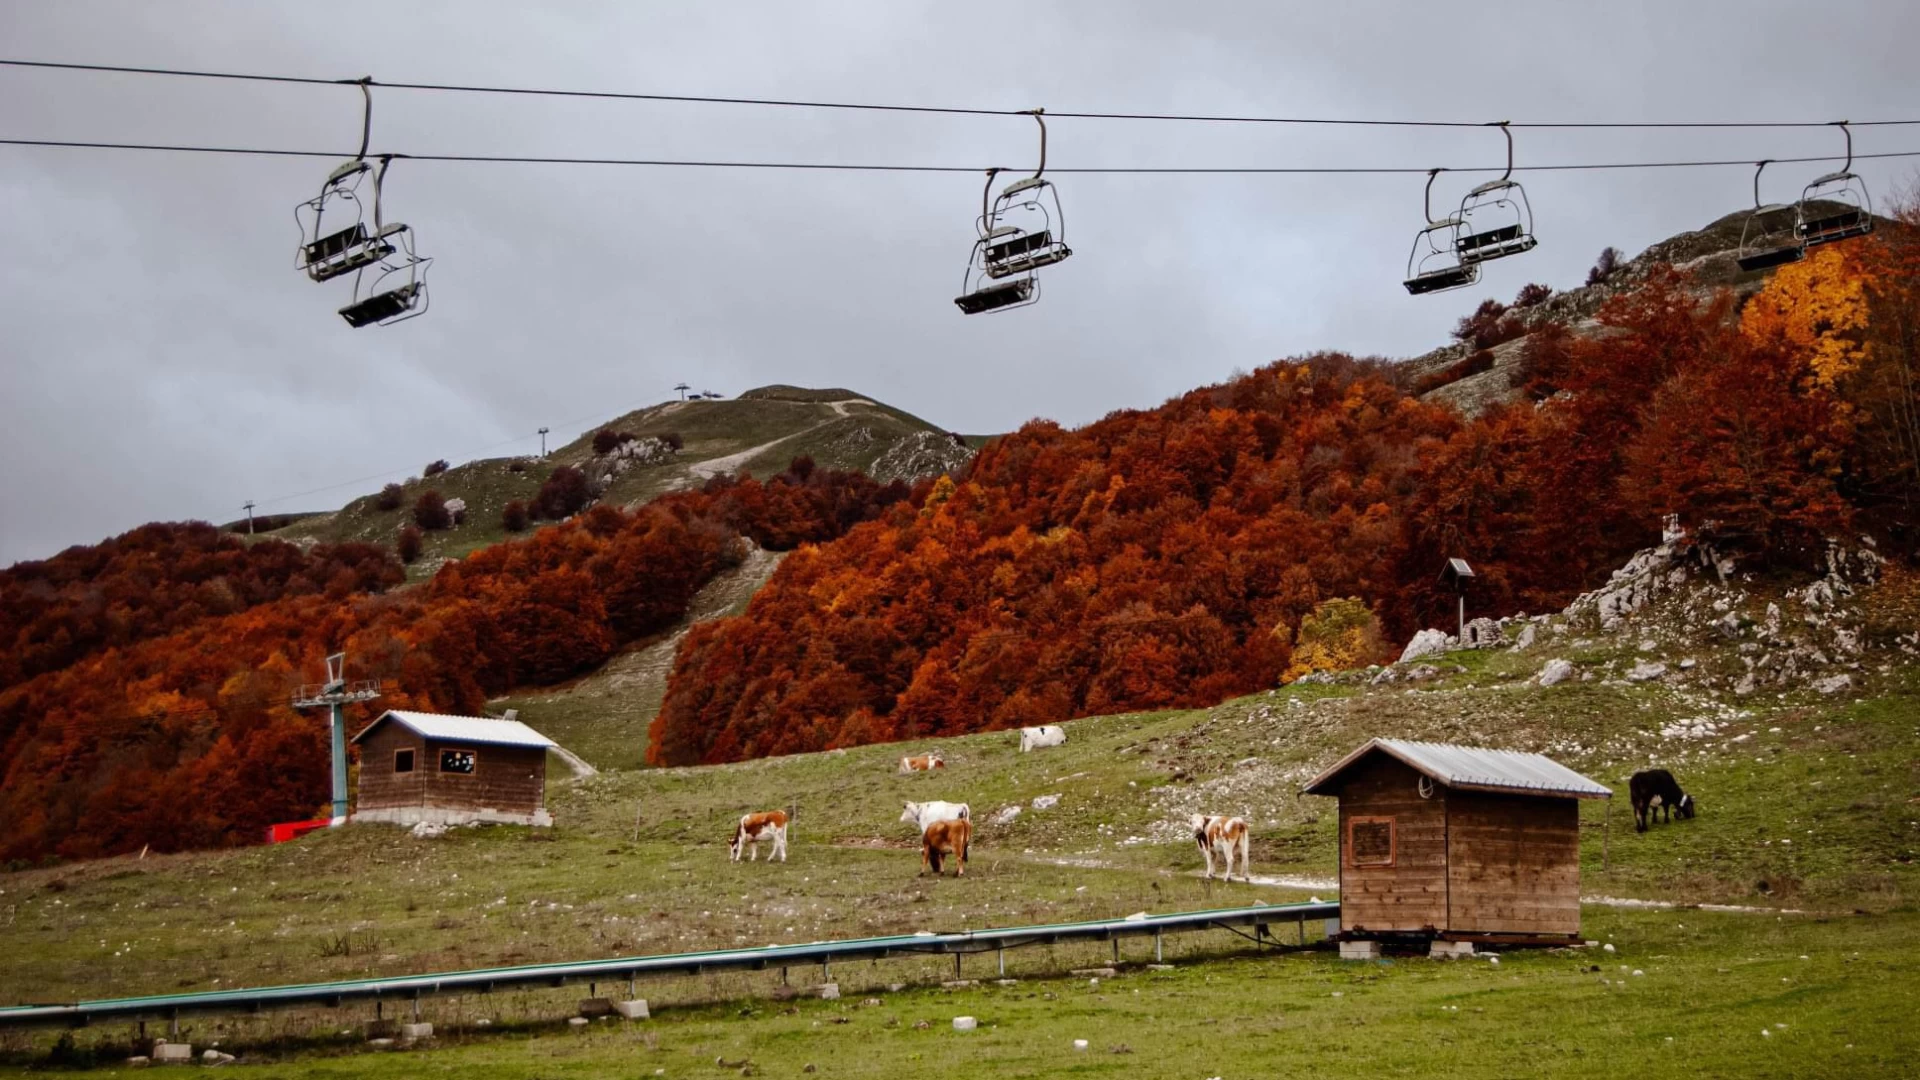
<point>739,838</point>
<point>1686,806</point>
<point>911,813</point>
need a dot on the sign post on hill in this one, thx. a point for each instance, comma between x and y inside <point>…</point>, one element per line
<point>1459,573</point>
<point>334,696</point>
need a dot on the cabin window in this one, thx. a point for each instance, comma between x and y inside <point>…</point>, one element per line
<point>457,761</point>
<point>403,760</point>
<point>1370,841</point>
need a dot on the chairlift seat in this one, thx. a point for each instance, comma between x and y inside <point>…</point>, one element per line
<point>334,245</point>
<point>1764,260</point>
<point>1491,186</point>
<point>1840,226</point>
<point>1447,277</point>
<point>1027,251</point>
<point>1494,244</point>
<point>994,297</point>
<point>345,251</point>
<point>1019,186</point>
<point>382,306</point>
<point>1002,230</point>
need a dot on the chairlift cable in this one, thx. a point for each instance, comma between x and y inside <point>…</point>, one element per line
<point>819,166</point>
<point>950,110</point>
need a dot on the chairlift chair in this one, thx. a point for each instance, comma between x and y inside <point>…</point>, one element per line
<point>1024,229</point>
<point>1495,219</point>
<point>1771,235</point>
<point>327,252</point>
<point>1435,264</point>
<point>1835,206</point>
<point>398,291</point>
<point>334,238</point>
<point>1019,231</point>
<point>394,288</point>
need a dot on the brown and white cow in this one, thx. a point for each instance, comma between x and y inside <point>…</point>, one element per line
<point>923,763</point>
<point>1225,835</point>
<point>753,828</point>
<point>950,837</point>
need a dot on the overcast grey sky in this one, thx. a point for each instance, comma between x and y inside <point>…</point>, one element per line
<point>164,360</point>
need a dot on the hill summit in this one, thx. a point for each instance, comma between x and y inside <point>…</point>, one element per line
<point>671,446</point>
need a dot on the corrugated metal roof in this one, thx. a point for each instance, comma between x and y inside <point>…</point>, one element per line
<point>1476,768</point>
<point>472,729</point>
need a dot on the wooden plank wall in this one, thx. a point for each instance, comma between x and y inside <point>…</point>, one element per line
<point>379,786</point>
<point>1514,864</point>
<point>510,779</point>
<point>1412,893</point>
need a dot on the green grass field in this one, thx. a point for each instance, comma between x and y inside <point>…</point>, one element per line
<point>1807,805</point>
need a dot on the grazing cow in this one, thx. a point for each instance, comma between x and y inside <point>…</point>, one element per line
<point>1656,791</point>
<point>1224,835</point>
<point>753,828</point>
<point>1039,738</point>
<point>950,837</point>
<point>924,814</point>
<point>923,763</point>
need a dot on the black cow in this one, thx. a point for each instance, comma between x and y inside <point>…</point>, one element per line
<point>1656,791</point>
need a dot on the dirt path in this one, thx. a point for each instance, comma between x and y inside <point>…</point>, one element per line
<point>706,470</point>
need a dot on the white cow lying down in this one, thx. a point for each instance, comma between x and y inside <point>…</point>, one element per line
<point>924,814</point>
<point>1034,738</point>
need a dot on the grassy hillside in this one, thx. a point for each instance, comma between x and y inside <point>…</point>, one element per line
<point>1805,805</point>
<point>759,433</point>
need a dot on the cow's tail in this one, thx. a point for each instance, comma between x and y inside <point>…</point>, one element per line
<point>966,841</point>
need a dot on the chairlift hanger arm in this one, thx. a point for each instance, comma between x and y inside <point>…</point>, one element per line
<point>1759,167</point>
<point>1506,128</point>
<point>1035,113</point>
<point>1432,175</point>
<point>1848,132</point>
<point>365,82</point>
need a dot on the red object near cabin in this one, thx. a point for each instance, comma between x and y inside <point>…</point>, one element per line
<point>293,830</point>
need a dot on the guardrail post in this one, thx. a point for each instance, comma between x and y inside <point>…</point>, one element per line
<point>1156,946</point>
<point>956,965</point>
<point>1002,954</point>
<point>1116,950</point>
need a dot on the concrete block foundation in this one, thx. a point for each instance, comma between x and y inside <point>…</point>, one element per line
<point>1359,950</point>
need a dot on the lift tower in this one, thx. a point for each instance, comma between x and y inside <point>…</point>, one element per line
<point>334,695</point>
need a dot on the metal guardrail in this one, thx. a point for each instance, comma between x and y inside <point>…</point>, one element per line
<point>824,953</point>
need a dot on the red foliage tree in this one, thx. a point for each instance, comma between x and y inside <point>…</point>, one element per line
<point>563,495</point>
<point>430,511</point>
<point>390,498</point>
<point>513,516</point>
<point>408,543</point>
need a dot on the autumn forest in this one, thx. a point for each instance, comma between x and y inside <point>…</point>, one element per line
<point>1241,535</point>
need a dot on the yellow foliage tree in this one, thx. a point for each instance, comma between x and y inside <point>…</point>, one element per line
<point>1338,635</point>
<point>1817,306</point>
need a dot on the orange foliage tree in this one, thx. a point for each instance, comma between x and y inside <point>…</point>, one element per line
<point>186,738</point>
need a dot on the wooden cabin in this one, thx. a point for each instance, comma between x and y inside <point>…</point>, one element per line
<point>1457,843</point>
<point>451,770</point>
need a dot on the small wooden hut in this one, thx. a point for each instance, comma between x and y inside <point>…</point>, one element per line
<point>451,770</point>
<point>1457,843</point>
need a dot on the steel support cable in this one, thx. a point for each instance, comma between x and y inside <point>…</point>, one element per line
<point>949,110</point>
<point>818,166</point>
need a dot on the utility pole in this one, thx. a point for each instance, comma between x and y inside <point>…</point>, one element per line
<point>334,695</point>
<point>543,442</point>
<point>683,388</point>
<point>249,508</point>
